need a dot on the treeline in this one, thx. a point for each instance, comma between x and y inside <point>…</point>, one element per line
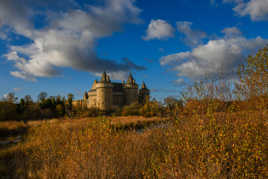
<point>26,109</point>
<point>59,106</point>
<point>12,108</point>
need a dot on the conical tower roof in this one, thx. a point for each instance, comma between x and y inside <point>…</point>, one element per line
<point>130,79</point>
<point>143,86</point>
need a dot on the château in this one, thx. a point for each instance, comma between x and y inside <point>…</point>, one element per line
<point>107,95</point>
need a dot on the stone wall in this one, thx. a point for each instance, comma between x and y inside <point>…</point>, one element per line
<point>118,99</point>
<point>131,95</point>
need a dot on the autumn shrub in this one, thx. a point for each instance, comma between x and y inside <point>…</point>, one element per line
<point>131,110</point>
<point>117,111</point>
<point>89,150</point>
<point>213,146</point>
<point>91,112</point>
<point>152,108</point>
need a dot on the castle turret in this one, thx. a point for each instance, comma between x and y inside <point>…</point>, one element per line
<point>143,86</point>
<point>130,79</point>
<point>104,93</point>
<point>131,83</point>
<point>131,90</point>
<point>104,78</point>
<point>144,93</point>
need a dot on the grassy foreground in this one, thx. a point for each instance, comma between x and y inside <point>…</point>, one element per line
<point>217,145</point>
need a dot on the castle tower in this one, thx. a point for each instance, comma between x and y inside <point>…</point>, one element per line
<point>144,93</point>
<point>104,93</point>
<point>131,90</point>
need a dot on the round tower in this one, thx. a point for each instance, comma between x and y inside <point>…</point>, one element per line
<point>104,93</point>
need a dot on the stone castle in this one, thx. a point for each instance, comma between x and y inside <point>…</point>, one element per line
<point>107,95</point>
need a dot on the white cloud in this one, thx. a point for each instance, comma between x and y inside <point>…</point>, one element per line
<point>68,39</point>
<point>192,37</point>
<point>23,75</point>
<point>159,29</point>
<point>214,57</point>
<point>256,9</point>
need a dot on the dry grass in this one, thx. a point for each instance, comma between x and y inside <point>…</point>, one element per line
<point>135,119</point>
<point>217,145</point>
<point>11,125</point>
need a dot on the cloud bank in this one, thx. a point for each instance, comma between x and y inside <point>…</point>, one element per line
<point>207,60</point>
<point>67,39</point>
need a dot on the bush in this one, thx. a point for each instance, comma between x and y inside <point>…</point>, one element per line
<point>131,110</point>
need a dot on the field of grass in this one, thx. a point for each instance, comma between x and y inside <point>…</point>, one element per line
<point>216,145</point>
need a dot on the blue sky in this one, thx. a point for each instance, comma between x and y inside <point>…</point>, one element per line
<point>62,47</point>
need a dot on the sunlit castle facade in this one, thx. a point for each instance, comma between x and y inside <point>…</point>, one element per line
<point>107,95</point>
